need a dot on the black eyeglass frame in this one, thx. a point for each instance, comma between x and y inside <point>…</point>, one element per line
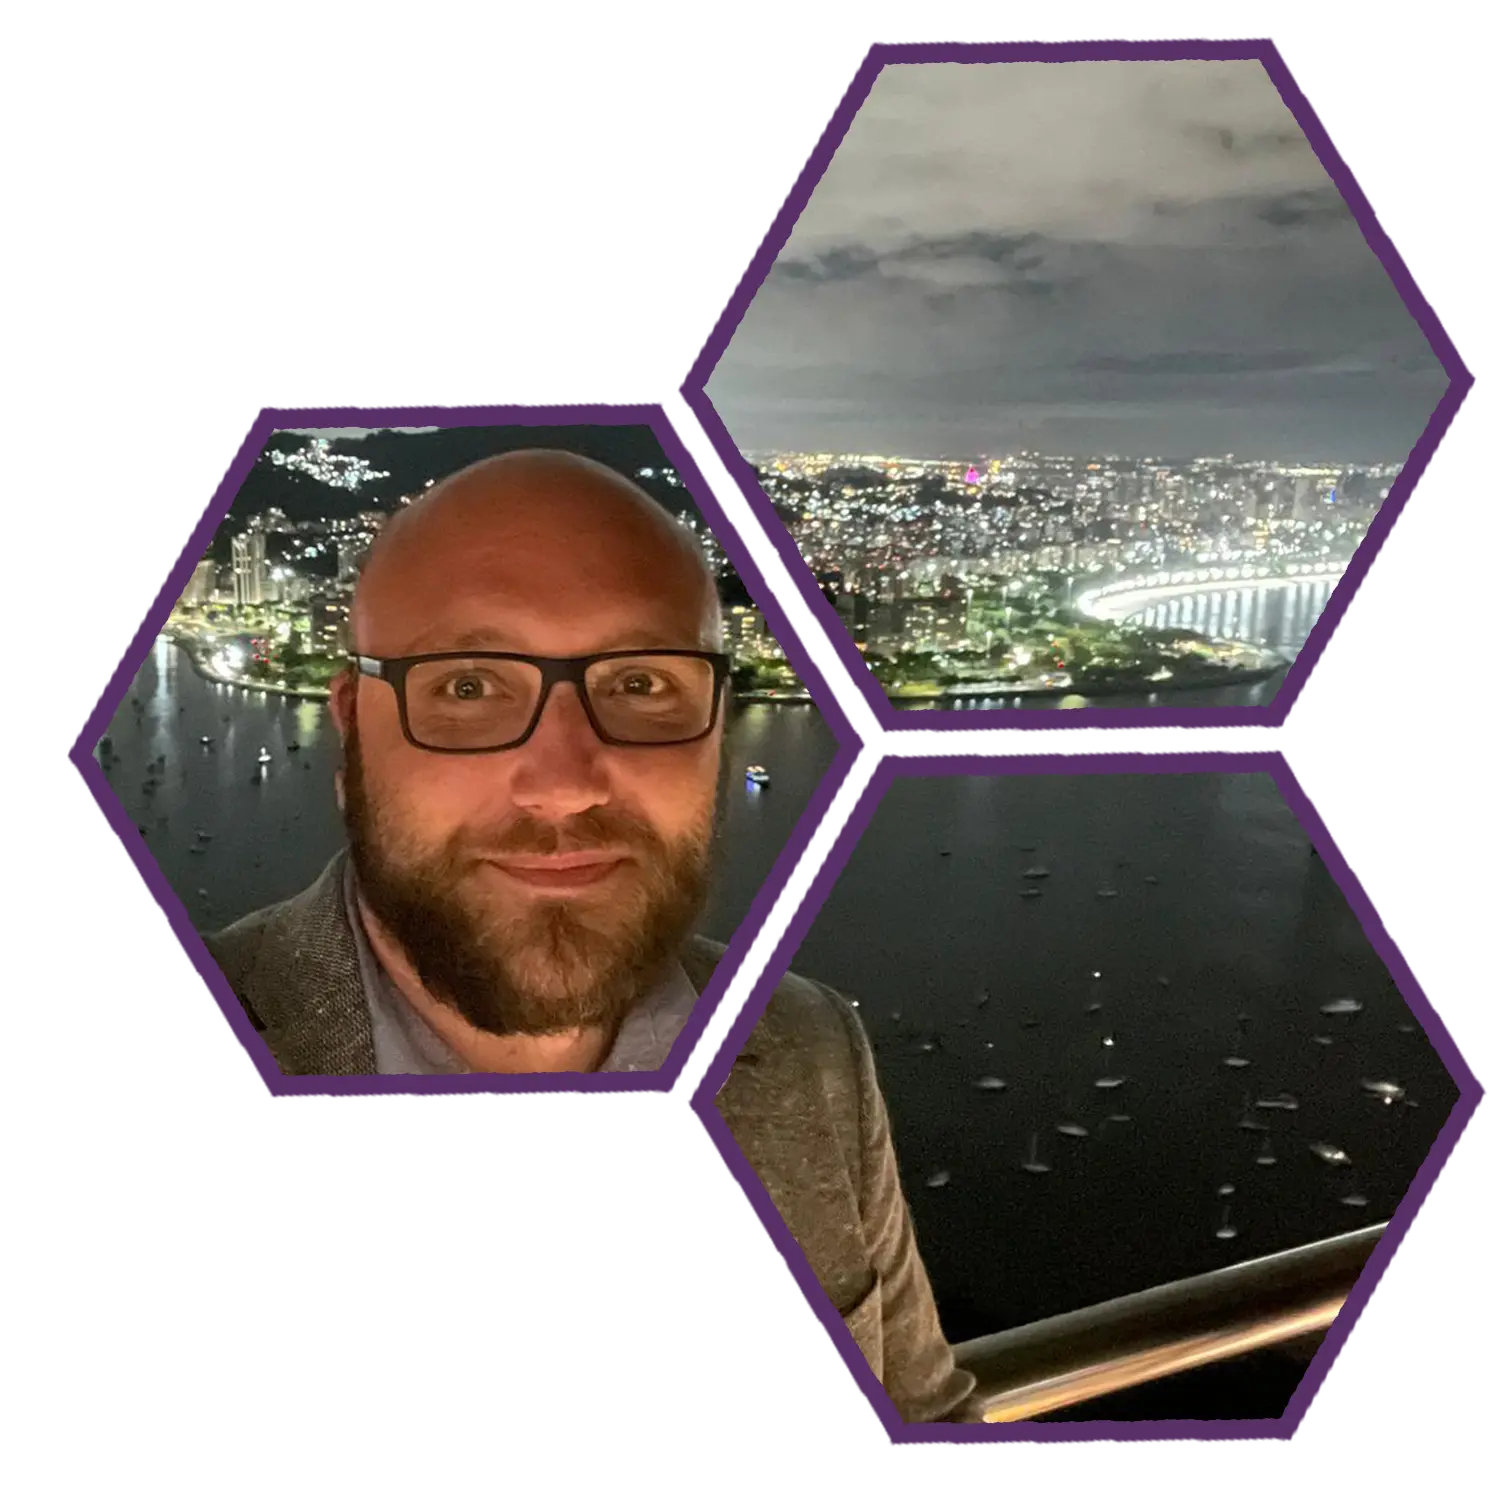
<point>554,669</point>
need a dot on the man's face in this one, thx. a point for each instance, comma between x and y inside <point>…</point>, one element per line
<point>540,888</point>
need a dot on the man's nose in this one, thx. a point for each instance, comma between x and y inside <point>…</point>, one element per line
<point>561,769</point>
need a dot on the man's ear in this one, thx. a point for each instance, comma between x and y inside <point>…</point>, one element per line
<point>342,689</point>
<point>342,692</point>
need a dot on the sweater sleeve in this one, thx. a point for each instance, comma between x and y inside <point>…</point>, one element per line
<point>919,1375</point>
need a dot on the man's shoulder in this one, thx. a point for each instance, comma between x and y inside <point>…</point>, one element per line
<point>294,966</point>
<point>239,947</point>
<point>804,1019</point>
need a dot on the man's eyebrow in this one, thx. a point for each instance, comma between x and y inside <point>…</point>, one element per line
<point>463,640</point>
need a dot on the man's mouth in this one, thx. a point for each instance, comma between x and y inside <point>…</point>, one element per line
<point>560,872</point>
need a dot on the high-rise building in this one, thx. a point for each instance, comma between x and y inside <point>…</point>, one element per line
<point>248,551</point>
<point>200,588</point>
<point>328,625</point>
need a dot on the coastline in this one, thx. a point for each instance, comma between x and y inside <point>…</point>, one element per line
<point>1231,678</point>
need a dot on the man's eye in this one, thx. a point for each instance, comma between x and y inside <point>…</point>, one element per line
<point>469,687</point>
<point>642,684</point>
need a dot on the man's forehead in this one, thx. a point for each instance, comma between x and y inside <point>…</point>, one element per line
<point>531,567</point>
<point>561,618</point>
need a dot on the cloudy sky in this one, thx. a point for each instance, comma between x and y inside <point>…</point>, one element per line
<point>1135,258</point>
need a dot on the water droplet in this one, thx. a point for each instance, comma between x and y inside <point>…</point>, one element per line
<point>1323,1041</point>
<point>1107,892</point>
<point>1106,1041</point>
<point>927,1047</point>
<point>1108,1083</point>
<point>1030,1024</point>
<point>1030,893</point>
<point>989,1046</point>
<point>983,997</point>
<point>1330,1154</point>
<point>1277,1101</point>
<point>1355,1200</point>
<point>1073,1129</point>
<point>1163,981</point>
<point>1096,974</point>
<point>939,1179</point>
<point>1227,1191</point>
<point>1265,1159</point>
<point>895,1015</point>
<point>1382,1089</point>
<point>1151,880</point>
<point>1348,1006</point>
<point>1036,872</point>
<point>1118,1119</point>
<point>990,1084</point>
<point>1094,1009</point>
<point>1236,1062</point>
<point>1406,1028</point>
<point>1226,1230</point>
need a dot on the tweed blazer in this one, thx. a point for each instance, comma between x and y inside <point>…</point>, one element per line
<point>801,1101</point>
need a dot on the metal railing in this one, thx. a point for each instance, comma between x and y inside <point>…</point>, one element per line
<point>1078,1356</point>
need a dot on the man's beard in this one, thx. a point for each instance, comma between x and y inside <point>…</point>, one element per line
<point>547,966</point>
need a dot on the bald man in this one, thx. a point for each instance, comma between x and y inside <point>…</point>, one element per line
<point>533,730</point>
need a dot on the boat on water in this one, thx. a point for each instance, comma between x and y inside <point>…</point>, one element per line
<point>757,776</point>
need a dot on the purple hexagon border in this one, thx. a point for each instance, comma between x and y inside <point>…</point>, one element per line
<point>695,387</point>
<point>1265,762</point>
<point>273,419</point>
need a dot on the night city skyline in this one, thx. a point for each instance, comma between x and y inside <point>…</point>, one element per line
<point>1092,259</point>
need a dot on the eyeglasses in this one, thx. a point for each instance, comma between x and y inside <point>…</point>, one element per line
<point>469,703</point>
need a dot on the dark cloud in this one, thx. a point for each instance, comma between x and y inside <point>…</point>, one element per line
<point>1121,256</point>
<point>1311,206</point>
<point>1201,362</point>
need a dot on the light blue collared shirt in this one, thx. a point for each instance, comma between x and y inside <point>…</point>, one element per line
<point>405,1043</point>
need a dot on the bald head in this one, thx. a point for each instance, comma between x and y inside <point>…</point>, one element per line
<point>534,546</point>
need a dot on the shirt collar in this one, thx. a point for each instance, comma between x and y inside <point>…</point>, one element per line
<point>405,1043</point>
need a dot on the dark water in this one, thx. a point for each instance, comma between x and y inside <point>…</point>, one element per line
<point>1242,921</point>
<point>274,830</point>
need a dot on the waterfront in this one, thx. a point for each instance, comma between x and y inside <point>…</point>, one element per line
<point>1278,617</point>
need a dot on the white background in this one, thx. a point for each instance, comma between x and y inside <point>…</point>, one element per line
<point>211,1292</point>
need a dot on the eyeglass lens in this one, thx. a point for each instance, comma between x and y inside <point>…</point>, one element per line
<point>480,703</point>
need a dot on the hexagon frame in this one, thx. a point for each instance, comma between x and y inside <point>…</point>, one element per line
<point>695,386</point>
<point>118,688</point>
<point>886,773</point>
